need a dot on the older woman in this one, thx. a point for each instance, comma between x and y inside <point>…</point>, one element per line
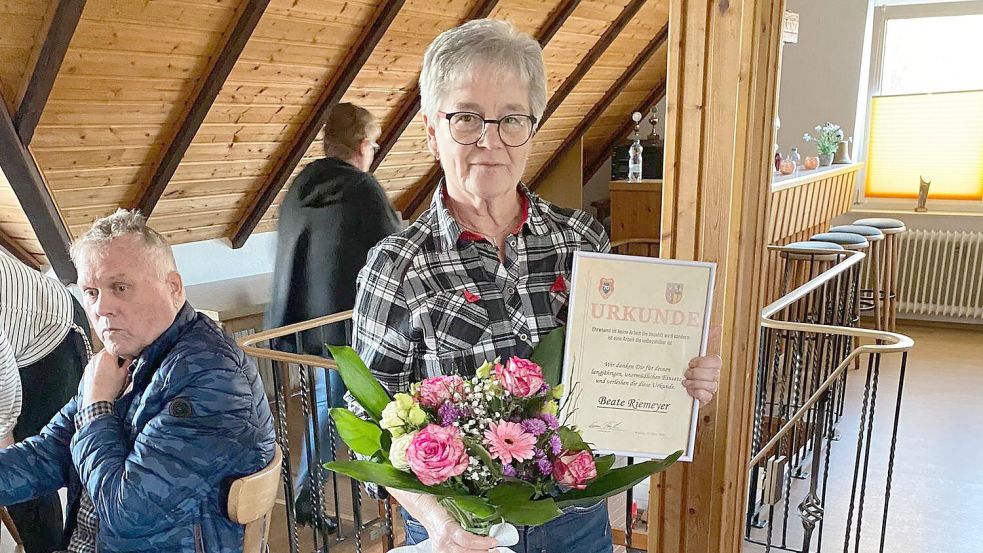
<point>483,272</point>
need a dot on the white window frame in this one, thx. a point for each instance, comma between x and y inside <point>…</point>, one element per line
<point>883,14</point>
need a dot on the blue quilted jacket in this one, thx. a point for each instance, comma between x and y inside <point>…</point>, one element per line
<point>158,472</point>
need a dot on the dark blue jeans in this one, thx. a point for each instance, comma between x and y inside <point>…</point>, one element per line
<point>580,529</point>
<point>328,392</point>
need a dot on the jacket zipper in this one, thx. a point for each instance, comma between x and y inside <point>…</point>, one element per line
<point>199,541</point>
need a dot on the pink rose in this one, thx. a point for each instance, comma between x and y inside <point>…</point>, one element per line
<point>436,454</point>
<point>520,377</point>
<point>574,469</point>
<point>433,392</point>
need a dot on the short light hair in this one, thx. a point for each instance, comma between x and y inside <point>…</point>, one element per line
<point>347,125</point>
<point>118,225</point>
<point>491,44</point>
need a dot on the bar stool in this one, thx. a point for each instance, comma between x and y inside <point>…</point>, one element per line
<point>849,241</point>
<point>888,291</point>
<point>873,274</point>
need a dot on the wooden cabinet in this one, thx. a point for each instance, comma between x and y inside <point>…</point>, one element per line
<point>636,209</point>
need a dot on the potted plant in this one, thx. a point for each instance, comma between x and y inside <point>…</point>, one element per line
<point>827,139</point>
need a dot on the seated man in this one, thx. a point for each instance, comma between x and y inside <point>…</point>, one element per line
<point>166,415</point>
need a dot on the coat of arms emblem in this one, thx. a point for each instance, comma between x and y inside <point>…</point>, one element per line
<point>674,292</point>
<point>606,287</point>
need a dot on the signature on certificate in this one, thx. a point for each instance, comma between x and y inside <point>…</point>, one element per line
<point>607,426</point>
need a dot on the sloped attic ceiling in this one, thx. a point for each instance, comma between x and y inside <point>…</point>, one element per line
<point>201,112</point>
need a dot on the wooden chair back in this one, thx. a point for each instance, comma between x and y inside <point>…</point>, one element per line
<point>251,502</point>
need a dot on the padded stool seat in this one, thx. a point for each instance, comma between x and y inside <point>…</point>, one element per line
<point>848,240</point>
<point>886,225</point>
<point>872,234</point>
<point>808,250</point>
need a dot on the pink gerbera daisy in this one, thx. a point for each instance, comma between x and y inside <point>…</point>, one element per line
<point>508,440</point>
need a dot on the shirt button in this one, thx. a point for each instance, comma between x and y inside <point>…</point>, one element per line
<point>512,243</point>
<point>510,290</point>
<point>524,337</point>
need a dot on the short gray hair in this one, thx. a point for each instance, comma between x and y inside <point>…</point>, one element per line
<point>455,53</point>
<point>125,223</point>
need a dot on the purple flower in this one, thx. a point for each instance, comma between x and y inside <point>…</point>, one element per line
<point>449,414</point>
<point>536,427</point>
<point>546,388</point>
<point>508,470</point>
<point>555,444</point>
<point>550,421</point>
<point>545,466</point>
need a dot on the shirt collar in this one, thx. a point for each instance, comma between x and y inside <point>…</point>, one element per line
<point>452,235</point>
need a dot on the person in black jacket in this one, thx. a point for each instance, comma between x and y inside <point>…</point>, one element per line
<point>333,213</point>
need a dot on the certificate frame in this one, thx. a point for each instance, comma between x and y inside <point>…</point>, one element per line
<point>576,327</point>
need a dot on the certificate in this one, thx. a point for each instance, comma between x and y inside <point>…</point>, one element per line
<point>633,325</point>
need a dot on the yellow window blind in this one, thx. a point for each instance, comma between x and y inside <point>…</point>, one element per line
<point>936,136</point>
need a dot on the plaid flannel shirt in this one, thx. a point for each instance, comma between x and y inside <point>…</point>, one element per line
<point>435,299</point>
<point>87,522</point>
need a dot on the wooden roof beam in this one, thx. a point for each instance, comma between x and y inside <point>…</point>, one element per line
<point>578,132</point>
<point>63,17</point>
<point>558,97</point>
<point>198,108</point>
<point>12,247</point>
<point>411,107</point>
<point>28,184</point>
<point>595,162</point>
<point>348,70</point>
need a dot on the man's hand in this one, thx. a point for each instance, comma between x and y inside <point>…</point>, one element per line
<point>703,376</point>
<point>104,379</point>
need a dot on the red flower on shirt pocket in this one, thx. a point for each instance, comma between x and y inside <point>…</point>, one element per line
<point>471,297</point>
<point>559,285</point>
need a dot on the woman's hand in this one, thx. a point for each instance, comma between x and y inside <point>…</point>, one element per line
<point>703,376</point>
<point>450,537</point>
<point>7,441</point>
<point>444,532</point>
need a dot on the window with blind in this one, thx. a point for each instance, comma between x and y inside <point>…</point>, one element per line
<point>927,119</point>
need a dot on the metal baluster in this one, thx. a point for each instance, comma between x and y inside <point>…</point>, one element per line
<point>894,444</point>
<point>629,521</point>
<point>860,449</point>
<point>870,434</point>
<point>280,415</point>
<point>811,508</point>
<point>356,508</point>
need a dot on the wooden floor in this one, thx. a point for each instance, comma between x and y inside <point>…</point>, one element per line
<point>937,500</point>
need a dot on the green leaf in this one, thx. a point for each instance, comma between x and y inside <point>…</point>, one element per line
<point>479,450</point>
<point>359,381</point>
<point>615,481</point>
<point>362,436</point>
<point>571,440</point>
<point>385,475</point>
<point>513,501</point>
<point>603,464</point>
<point>475,506</point>
<point>549,355</point>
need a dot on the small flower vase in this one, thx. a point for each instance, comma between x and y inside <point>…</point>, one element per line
<point>811,162</point>
<point>825,160</point>
<point>787,167</point>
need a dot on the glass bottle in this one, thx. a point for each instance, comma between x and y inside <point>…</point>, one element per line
<point>635,161</point>
<point>796,159</point>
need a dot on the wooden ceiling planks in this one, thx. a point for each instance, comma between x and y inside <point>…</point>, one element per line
<point>128,76</point>
<point>121,99</point>
<point>603,103</point>
<point>208,89</point>
<point>359,52</point>
<point>638,36</point>
<point>614,124</point>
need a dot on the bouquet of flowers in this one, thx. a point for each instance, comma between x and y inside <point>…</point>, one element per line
<point>827,138</point>
<point>491,448</point>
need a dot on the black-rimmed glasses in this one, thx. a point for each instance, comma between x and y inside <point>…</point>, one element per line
<point>468,127</point>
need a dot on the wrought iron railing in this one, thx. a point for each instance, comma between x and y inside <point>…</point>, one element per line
<point>802,458</point>
<point>332,496</point>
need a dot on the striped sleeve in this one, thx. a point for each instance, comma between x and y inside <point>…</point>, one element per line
<point>35,311</point>
<point>10,387</point>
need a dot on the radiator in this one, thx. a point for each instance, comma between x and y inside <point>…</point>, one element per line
<point>940,275</point>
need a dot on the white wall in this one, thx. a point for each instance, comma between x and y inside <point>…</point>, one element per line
<point>821,73</point>
<point>215,260</point>
<point>597,187</point>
